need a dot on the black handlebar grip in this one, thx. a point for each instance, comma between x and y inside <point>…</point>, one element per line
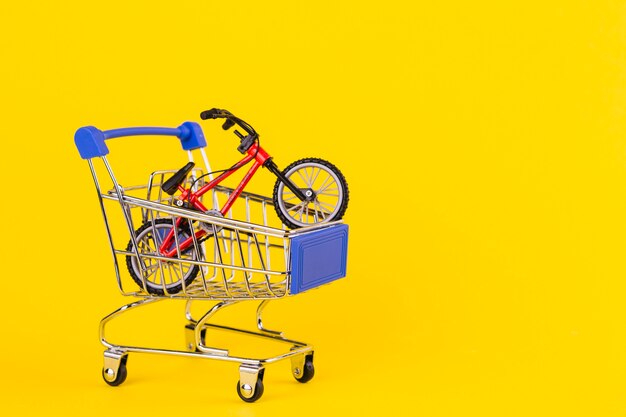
<point>228,124</point>
<point>210,114</point>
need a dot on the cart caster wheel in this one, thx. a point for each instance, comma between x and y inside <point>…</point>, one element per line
<point>250,384</point>
<point>306,373</point>
<point>245,392</point>
<point>113,377</point>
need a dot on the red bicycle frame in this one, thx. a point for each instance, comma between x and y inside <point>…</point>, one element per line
<point>255,152</point>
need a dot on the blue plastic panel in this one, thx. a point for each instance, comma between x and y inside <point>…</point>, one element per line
<point>90,140</point>
<point>318,258</point>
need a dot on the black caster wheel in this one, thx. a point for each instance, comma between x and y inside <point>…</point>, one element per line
<point>246,393</point>
<point>307,372</point>
<point>116,378</point>
<point>258,391</point>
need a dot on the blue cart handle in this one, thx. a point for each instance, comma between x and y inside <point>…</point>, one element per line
<point>90,140</point>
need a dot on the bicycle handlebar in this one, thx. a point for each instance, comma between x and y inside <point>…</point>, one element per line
<point>231,120</point>
<point>213,114</point>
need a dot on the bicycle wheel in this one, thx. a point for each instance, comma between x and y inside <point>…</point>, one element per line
<point>155,273</point>
<point>330,193</point>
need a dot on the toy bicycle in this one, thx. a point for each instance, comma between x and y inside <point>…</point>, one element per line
<point>308,192</point>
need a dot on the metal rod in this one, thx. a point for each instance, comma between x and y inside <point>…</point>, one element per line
<point>198,216</point>
<point>259,319</point>
<point>212,264</point>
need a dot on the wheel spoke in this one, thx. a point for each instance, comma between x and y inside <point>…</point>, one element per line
<point>317,204</point>
<point>319,170</point>
<point>327,190</point>
<point>170,271</point>
<point>308,177</point>
<point>145,244</point>
<point>175,268</point>
<point>157,275</point>
<point>324,183</point>
<point>167,273</point>
<point>300,212</point>
<point>164,276</point>
<point>322,205</point>
<point>322,189</point>
<point>150,269</point>
<point>158,239</point>
<point>301,176</point>
<point>296,206</point>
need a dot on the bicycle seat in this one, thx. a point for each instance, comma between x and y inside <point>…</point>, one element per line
<point>171,185</point>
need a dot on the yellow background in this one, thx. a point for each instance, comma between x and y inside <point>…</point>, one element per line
<point>485,148</point>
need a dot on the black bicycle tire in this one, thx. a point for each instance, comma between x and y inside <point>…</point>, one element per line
<point>153,290</point>
<point>342,181</point>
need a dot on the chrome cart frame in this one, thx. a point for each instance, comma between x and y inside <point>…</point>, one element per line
<point>240,260</point>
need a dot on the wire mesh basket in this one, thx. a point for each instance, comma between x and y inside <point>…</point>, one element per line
<point>234,260</point>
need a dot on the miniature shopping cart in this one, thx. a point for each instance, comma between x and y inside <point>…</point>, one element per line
<point>243,255</point>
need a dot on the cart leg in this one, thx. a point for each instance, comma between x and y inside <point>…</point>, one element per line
<point>188,315</point>
<point>118,312</point>
<point>190,330</point>
<point>200,330</point>
<point>259,319</point>
<point>114,370</point>
<point>190,337</point>
<point>250,385</point>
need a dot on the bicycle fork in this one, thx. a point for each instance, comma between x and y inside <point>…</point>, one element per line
<point>306,195</point>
